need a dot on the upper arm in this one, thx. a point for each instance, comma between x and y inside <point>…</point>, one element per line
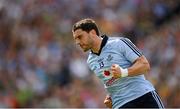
<point>141,59</point>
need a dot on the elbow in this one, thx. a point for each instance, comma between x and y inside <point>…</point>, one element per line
<point>147,66</point>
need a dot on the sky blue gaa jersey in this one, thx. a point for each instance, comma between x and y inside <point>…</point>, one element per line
<point>121,51</point>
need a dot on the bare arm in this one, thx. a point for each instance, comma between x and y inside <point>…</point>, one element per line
<point>140,66</point>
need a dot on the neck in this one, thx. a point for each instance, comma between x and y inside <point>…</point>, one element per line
<point>97,44</point>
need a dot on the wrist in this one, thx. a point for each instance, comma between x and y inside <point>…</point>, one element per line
<point>124,72</point>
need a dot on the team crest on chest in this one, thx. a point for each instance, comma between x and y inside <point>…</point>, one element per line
<point>109,58</point>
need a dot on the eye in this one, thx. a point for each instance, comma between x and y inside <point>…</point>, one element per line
<point>79,37</point>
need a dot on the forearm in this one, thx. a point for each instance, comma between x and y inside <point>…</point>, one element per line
<point>141,66</point>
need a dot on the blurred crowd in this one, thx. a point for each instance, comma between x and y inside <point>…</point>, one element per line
<point>40,65</point>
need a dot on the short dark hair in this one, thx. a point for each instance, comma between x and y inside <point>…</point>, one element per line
<point>86,25</point>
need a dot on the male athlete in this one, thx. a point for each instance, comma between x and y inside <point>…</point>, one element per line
<point>119,64</point>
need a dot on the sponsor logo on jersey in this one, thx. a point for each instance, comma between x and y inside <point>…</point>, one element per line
<point>109,58</point>
<point>110,81</point>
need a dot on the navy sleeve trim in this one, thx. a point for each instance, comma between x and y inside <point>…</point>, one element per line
<point>132,46</point>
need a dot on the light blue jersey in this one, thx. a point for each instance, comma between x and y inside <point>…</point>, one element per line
<point>123,52</point>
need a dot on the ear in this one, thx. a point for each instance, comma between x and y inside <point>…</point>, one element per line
<point>93,32</point>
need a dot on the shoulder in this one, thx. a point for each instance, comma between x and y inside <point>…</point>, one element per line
<point>113,40</point>
<point>117,41</point>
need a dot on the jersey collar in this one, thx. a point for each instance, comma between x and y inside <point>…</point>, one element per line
<point>103,43</point>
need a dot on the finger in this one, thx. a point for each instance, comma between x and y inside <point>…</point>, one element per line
<point>115,74</point>
<point>109,105</point>
<point>113,70</point>
<point>107,99</point>
<point>107,102</point>
<point>114,65</point>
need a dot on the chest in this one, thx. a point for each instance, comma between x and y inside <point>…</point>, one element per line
<point>101,65</point>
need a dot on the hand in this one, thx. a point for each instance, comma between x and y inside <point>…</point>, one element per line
<point>108,101</point>
<point>116,71</point>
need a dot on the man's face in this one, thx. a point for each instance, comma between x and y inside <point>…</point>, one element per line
<point>83,39</point>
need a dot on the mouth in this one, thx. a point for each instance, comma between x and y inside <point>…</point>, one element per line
<point>81,45</point>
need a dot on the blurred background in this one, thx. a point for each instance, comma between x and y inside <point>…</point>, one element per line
<point>40,65</point>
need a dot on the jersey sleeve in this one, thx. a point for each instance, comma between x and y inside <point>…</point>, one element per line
<point>129,50</point>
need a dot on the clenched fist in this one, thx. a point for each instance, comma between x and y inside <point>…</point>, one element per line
<point>108,101</point>
<point>116,71</point>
